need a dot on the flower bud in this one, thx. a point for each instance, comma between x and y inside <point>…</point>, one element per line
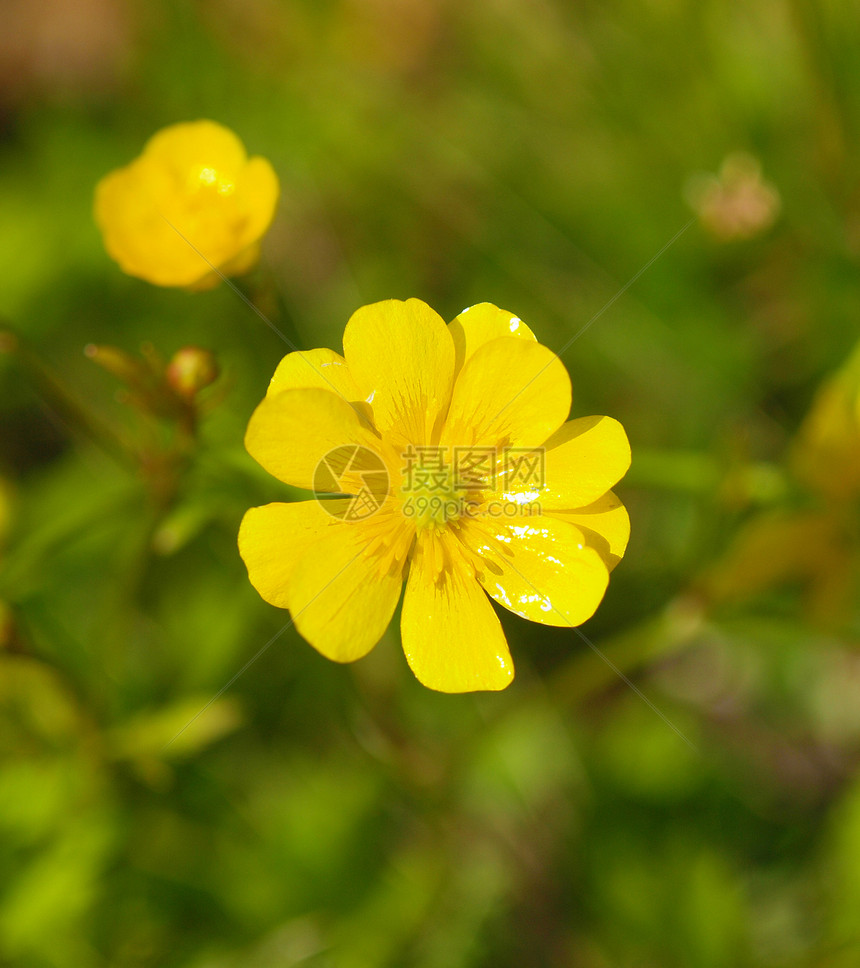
<point>738,203</point>
<point>190,370</point>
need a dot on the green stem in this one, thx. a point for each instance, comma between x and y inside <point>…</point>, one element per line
<point>692,472</point>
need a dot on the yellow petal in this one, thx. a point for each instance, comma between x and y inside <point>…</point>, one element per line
<point>136,235</point>
<point>401,355</point>
<point>584,458</point>
<point>538,567</point>
<point>510,392</point>
<point>322,368</point>
<point>257,192</point>
<point>152,236</point>
<point>291,432</point>
<point>581,462</point>
<point>192,147</point>
<point>238,265</point>
<point>605,524</point>
<point>273,537</point>
<point>452,638</point>
<point>340,600</point>
<point>480,324</point>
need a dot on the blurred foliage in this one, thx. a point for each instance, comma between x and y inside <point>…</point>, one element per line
<point>185,783</point>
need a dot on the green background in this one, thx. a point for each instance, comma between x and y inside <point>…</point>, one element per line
<point>531,153</point>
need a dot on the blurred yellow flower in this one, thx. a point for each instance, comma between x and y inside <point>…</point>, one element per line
<point>815,546</point>
<point>467,478</point>
<point>826,453</point>
<point>192,201</point>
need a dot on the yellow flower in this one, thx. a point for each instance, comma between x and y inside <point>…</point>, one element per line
<point>191,201</point>
<point>466,479</point>
<point>814,546</point>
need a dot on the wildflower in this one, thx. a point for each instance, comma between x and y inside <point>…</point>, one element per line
<point>736,204</point>
<point>467,479</point>
<point>192,201</point>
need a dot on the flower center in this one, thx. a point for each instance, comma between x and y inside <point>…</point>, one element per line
<point>429,495</point>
